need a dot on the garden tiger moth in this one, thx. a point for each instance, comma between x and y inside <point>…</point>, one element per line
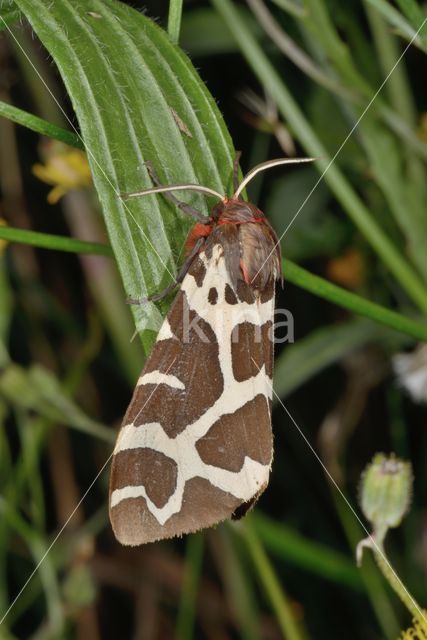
<point>195,447</point>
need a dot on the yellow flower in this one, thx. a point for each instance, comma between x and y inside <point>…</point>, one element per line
<point>418,631</point>
<point>348,269</point>
<point>65,168</point>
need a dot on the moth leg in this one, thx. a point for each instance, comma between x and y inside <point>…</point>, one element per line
<point>155,297</point>
<point>236,181</point>
<point>183,206</point>
<point>179,278</point>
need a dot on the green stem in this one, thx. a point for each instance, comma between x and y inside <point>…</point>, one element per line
<point>174,19</point>
<point>324,289</point>
<point>273,83</point>
<point>237,580</point>
<point>277,597</point>
<point>39,125</point>
<point>186,614</point>
<point>397,585</point>
<point>50,241</point>
<point>293,273</point>
<point>46,573</point>
<point>374,585</point>
<point>295,53</point>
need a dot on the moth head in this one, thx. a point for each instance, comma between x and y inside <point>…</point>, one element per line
<point>236,210</point>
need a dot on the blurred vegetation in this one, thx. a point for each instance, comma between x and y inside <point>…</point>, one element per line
<point>343,82</point>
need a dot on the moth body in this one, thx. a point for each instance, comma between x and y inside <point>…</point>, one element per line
<point>195,447</point>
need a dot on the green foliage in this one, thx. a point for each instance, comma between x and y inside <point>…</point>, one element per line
<point>37,390</point>
<point>129,83</point>
<point>126,119</point>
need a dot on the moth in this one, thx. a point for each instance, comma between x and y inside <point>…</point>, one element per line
<point>196,445</point>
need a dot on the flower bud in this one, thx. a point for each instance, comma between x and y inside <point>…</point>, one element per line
<point>385,492</point>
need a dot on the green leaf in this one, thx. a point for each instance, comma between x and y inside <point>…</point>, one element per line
<point>405,200</point>
<point>289,108</point>
<point>124,77</point>
<point>39,550</point>
<point>79,587</point>
<point>8,16</point>
<point>398,21</point>
<point>285,543</point>
<point>36,389</point>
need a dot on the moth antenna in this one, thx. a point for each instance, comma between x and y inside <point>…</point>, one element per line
<point>267,165</point>
<point>172,187</point>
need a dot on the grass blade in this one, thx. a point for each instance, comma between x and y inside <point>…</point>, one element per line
<point>39,125</point>
<point>54,242</point>
<point>290,110</point>
<point>268,579</point>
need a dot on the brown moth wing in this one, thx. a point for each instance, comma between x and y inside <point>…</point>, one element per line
<point>260,254</point>
<point>196,442</point>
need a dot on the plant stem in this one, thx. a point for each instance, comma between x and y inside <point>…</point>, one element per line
<point>174,20</point>
<point>415,15</point>
<point>297,55</point>
<point>277,597</point>
<point>398,22</point>
<point>39,125</point>
<point>324,289</point>
<point>238,581</point>
<point>397,585</point>
<point>374,585</point>
<point>194,557</point>
<point>51,241</point>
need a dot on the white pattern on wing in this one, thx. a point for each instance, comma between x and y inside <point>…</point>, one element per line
<point>223,318</point>
<point>165,331</point>
<point>157,377</point>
